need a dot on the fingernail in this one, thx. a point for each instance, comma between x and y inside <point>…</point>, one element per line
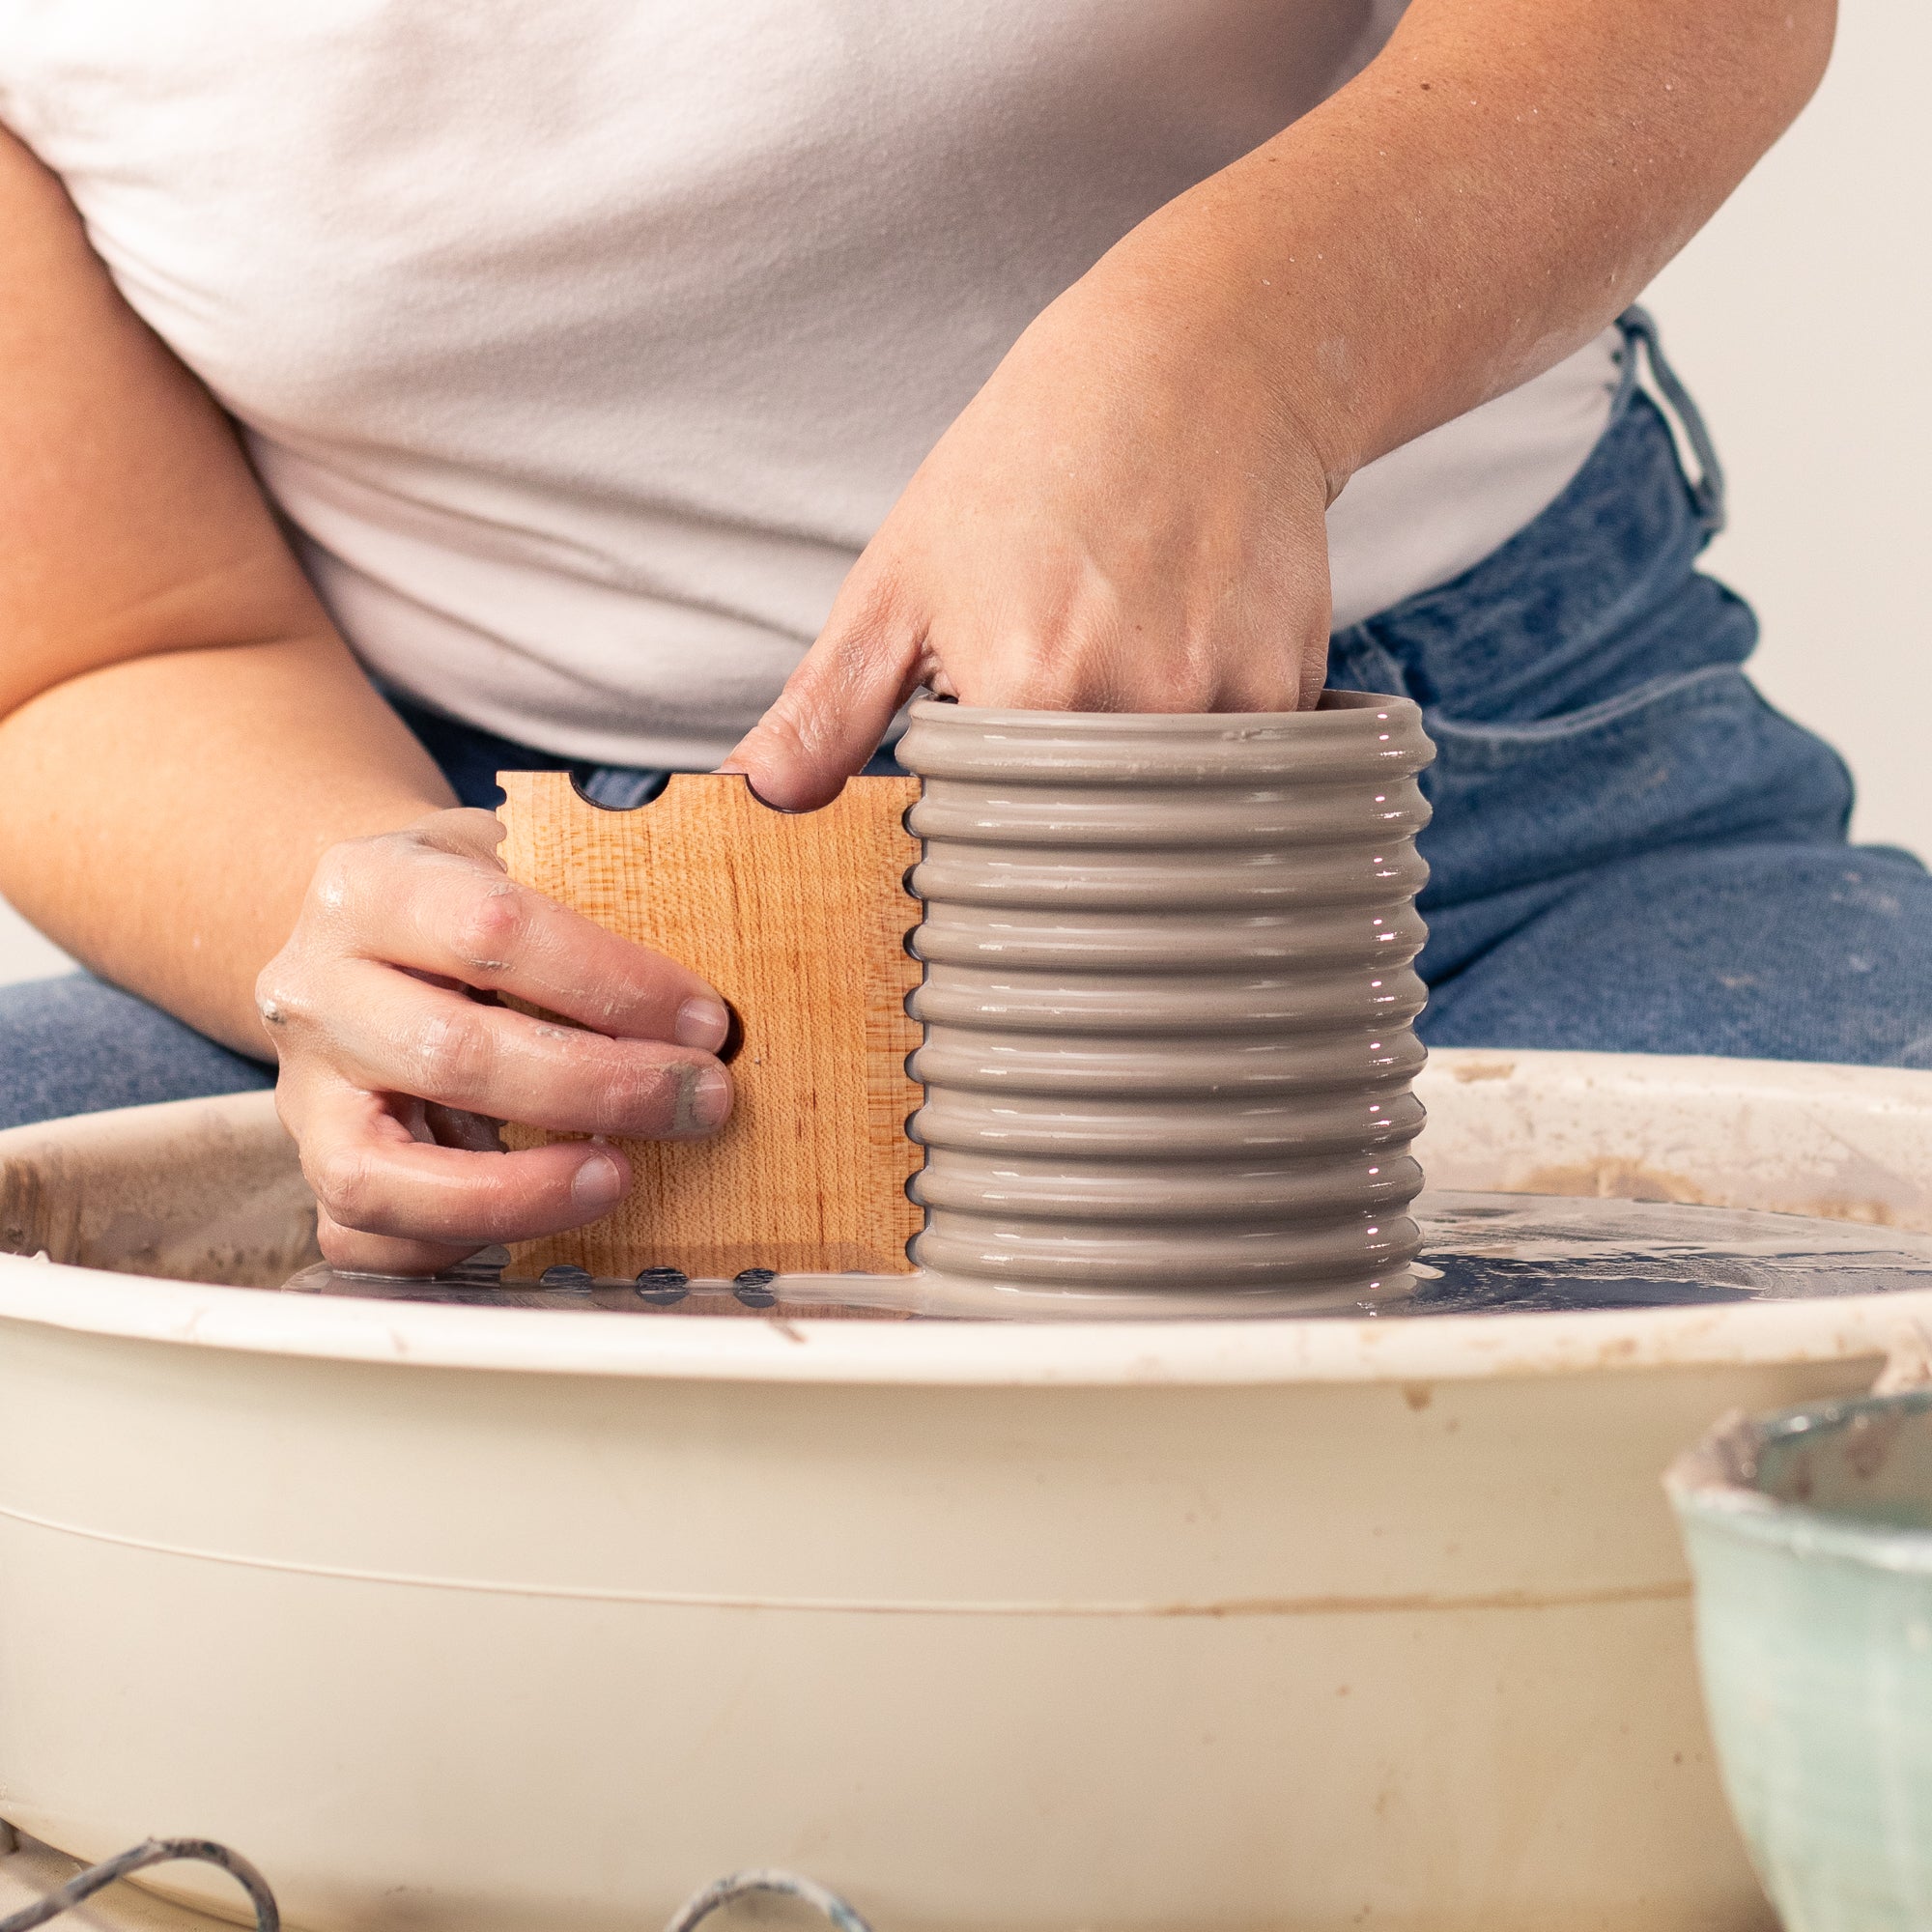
<point>704,1101</point>
<point>703,1023</point>
<point>597,1183</point>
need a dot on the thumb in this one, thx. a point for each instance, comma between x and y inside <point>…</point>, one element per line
<point>830,715</point>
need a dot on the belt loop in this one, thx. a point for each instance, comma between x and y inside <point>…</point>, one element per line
<point>1707,493</point>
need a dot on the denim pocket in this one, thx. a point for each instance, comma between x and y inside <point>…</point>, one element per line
<point>1692,756</point>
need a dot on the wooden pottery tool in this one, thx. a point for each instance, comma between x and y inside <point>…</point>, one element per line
<point>800,921</point>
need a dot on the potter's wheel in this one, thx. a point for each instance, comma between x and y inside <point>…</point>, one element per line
<point>1519,1254</point>
<point>1545,1254</point>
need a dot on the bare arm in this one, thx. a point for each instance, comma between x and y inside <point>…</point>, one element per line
<point>198,786</point>
<point>1129,515</point>
<point>1490,191</point>
<point>184,733</point>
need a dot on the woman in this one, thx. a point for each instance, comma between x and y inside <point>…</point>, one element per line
<point>591,361</point>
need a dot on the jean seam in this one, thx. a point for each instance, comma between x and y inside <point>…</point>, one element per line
<point>1607,715</point>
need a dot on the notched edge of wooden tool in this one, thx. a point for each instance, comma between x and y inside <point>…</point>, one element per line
<point>764,1193</point>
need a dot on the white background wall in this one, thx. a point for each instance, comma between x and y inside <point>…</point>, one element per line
<point>23,953</point>
<point>1800,318</point>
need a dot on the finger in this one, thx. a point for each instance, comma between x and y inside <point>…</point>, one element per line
<point>1313,677</point>
<point>356,1253</point>
<point>468,831</point>
<point>372,1178</point>
<point>1312,657</point>
<point>1290,681</point>
<point>391,1033</point>
<point>833,709</point>
<point>407,903</point>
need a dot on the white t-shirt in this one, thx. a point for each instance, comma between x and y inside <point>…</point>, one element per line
<point>583,344</point>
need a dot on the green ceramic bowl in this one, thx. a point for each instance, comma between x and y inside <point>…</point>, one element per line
<point>1809,1535</point>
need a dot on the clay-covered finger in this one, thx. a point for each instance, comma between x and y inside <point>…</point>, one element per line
<point>466,830</point>
<point>372,1178</point>
<point>393,1033</point>
<point>410,899</point>
<point>833,709</point>
<point>356,1253</point>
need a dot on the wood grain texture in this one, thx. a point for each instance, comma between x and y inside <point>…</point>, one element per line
<point>800,921</point>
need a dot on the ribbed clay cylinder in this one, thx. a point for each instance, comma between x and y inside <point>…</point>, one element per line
<point>1168,999</point>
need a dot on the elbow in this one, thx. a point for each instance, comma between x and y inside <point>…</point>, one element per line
<point>1793,38</point>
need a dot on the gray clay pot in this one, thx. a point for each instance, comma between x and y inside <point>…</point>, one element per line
<point>1168,999</point>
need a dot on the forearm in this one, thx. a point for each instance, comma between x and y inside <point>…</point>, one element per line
<point>162,817</point>
<point>1490,191</point>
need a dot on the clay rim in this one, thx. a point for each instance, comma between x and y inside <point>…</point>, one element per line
<point>1333,706</point>
<point>1351,735</point>
<point>1712,1488</point>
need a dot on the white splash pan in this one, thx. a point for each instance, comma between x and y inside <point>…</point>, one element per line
<point>481,1619</point>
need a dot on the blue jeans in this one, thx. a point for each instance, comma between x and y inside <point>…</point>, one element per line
<point>1631,851</point>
